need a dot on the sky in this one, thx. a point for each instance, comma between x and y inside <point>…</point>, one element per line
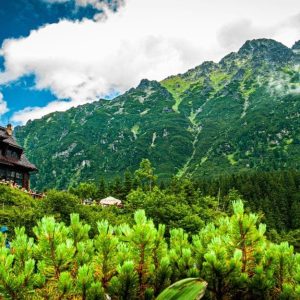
<point>57,54</point>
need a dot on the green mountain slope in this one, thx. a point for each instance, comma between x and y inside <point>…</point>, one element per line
<point>240,113</point>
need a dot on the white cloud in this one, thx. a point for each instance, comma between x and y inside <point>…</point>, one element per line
<point>3,105</point>
<point>95,3</point>
<point>31,113</point>
<point>86,60</point>
<point>56,1</point>
<point>233,34</point>
<point>100,5</point>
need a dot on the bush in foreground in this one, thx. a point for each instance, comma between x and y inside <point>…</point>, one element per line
<point>137,262</point>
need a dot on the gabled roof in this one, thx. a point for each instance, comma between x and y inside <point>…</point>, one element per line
<point>10,161</point>
<point>24,162</point>
<point>12,142</point>
<point>13,162</point>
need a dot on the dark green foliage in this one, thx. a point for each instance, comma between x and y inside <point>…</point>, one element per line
<point>102,189</point>
<point>116,188</point>
<point>175,209</point>
<point>125,285</point>
<point>128,184</point>
<point>60,204</point>
<point>18,209</point>
<point>145,175</point>
<point>184,203</point>
<point>276,194</point>
<point>86,190</point>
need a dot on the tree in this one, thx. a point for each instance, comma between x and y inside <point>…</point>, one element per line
<point>124,286</point>
<point>128,181</point>
<point>295,212</point>
<point>102,189</point>
<point>145,174</point>
<point>60,205</point>
<point>17,271</point>
<point>18,209</point>
<point>117,188</point>
<point>232,255</point>
<point>84,190</point>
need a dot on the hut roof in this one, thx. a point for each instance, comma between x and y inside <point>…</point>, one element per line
<point>23,162</point>
<point>110,201</point>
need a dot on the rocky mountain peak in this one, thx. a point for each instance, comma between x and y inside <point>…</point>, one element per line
<point>145,83</point>
<point>201,70</point>
<point>296,51</point>
<point>266,50</point>
<point>296,46</point>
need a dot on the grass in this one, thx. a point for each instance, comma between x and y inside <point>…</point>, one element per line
<point>135,130</point>
<point>203,160</point>
<point>192,118</point>
<point>176,86</point>
<point>231,159</point>
<point>218,79</point>
<point>144,112</point>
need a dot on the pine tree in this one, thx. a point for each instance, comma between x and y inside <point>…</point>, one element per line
<point>102,189</point>
<point>142,239</point>
<point>106,255</point>
<point>86,286</point>
<point>286,271</point>
<point>125,285</point>
<point>128,184</point>
<point>55,252</point>
<point>17,268</point>
<point>182,261</point>
<point>232,256</point>
<point>295,212</point>
<point>162,268</point>
<point>145,174</point>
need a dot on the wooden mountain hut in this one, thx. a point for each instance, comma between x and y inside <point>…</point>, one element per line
<point>14,166</point>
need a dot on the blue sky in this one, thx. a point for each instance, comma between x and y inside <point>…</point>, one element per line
<point>56,54</point>
<point>17,19</point>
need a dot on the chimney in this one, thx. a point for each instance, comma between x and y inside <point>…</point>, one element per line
<point>9,129</point>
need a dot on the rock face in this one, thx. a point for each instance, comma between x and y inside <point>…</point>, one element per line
<point>264,50</point>
<point>296,46</point>
<point>240,113</point>
<point>296,50</point>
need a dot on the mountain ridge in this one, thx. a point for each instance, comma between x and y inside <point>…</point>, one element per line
<point>224,117</point>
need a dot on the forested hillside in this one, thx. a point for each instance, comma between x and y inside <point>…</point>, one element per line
<point>212,230</point>
<point>184,203</point>
<point>239,114</point>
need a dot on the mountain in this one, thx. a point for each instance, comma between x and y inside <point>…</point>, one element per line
<point>225,117</point>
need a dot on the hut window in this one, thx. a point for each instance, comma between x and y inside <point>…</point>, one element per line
<point>2,174</point>
<point>11,175</point>
<point>11,153</point>
<point>19,177</point>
